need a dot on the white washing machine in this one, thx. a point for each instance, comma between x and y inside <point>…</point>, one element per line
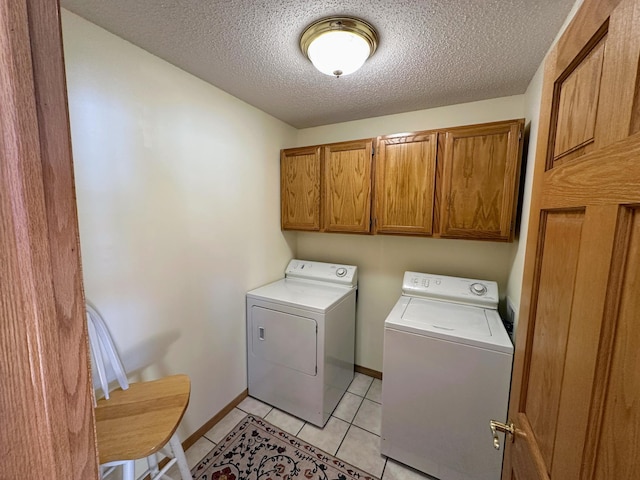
<point>301,339</point>
<point>446,374</point>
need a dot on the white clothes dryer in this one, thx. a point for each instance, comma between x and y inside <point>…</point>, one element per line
<point>446,373</point>
<point>301,339</point>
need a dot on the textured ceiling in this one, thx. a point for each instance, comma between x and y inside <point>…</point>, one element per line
<point>431,52</point>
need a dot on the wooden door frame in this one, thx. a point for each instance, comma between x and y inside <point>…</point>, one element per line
<point>46,400</point>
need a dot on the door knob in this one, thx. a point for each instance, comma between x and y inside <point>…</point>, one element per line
<point>496,427</point>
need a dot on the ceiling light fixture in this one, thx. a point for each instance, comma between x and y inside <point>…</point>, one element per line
<point>339,45</point>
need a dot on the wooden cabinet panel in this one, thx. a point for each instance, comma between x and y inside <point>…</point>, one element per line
<point>481,166</point>
<point>300,188</point>
<point>347,187</point>
<point>405,183</point>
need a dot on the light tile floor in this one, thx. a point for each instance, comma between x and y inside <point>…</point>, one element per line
<point>351,434</point>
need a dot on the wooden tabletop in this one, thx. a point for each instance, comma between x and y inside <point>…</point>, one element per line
<point>139,421</point>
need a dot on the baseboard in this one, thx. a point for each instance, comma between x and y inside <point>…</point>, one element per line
<point>209,424</point>
<point>368,371</point>
<point>193,438</point>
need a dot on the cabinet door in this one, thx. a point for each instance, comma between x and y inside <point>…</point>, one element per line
<point>347,187</point>
<point>300,188</point>
<point>481,167</point>
<point>405,180</point>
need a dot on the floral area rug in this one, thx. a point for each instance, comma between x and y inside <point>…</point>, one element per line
<point>256,450</point>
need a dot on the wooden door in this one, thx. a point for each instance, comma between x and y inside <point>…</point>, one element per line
<point>46,408</point>
<point>300,188</point>
<point>405,174</point>
<point>346,193</point>
<point>481,166</point>
<point>575,399</point>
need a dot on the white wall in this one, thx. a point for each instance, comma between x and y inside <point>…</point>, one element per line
<point>178,202</point>
<point>178,199</point>
<point>382,259</point>
<point>505,108</point>
<point>533,97</point>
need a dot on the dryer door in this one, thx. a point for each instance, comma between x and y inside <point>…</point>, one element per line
<point>284,339</point>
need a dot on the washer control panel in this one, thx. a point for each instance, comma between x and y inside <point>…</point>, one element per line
<point>468,291</point>
<point>325,272</point>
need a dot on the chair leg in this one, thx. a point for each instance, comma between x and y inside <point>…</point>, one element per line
<point>181,460</point>
<point>129,470</point>
<point>152,461</point>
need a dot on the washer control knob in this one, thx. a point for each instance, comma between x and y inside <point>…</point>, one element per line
<point>341,272</point>
<point>478,289</point>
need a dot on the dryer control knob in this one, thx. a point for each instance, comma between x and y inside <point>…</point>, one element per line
<point>341,272</point>
<point>478,289</point>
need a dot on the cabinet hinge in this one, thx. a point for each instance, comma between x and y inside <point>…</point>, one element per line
<point>373,151</point>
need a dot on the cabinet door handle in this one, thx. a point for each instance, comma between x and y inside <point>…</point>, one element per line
<point>261,333</point>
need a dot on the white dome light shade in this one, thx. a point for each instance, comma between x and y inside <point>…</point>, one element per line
<point>338,52</point>
<point>339,45</point>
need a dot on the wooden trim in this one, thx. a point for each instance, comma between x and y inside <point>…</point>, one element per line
<point>437,197</point>
<point>606,347</point>
<point>349,145</point>
<point>368,371</point>
<point>515,193</point>
<point>209,424</point>
<point>624,179</point>
<point>593,14</point>
<point>46,399</point>
<point>618,105</point>
<point>63,231</point>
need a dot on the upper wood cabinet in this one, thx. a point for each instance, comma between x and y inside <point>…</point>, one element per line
<point>481,166</point>
<point>300,188</point>
<point>405,173</point>
<point>346,192</point>
<point>456,183</point>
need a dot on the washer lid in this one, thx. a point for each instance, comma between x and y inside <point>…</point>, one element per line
<point>475,326</point>
<point>461,320</point>
<point>308,294</point>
